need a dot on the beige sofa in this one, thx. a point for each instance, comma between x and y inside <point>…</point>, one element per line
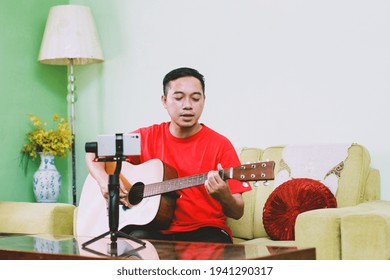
<point>359,228</point>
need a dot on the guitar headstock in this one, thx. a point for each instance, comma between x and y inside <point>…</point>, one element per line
<point>259,171</point>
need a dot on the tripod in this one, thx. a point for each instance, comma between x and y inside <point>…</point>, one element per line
<point>113,211</point>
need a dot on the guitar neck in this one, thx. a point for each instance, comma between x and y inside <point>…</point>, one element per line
<point>180,183</point>
<point>244,173</point>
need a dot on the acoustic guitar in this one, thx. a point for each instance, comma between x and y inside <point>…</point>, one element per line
<point>151,192</point>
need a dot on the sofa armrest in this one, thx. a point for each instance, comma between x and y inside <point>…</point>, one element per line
<point>339,233</point>
<point>366,234</point>
<point>36,218</point>
<point>320,228</point>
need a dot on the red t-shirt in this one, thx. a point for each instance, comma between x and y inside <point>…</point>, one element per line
<point>194,155</point>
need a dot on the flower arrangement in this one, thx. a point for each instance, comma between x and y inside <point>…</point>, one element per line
<point>49,141</point>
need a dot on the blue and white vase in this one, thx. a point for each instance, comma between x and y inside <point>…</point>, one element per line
<point>47,180</point>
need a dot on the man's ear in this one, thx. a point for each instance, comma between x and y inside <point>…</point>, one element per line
<point>164,101</point>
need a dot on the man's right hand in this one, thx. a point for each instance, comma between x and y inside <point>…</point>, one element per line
<point>98,172</point>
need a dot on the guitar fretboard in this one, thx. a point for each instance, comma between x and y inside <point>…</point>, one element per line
<point>178,184</point>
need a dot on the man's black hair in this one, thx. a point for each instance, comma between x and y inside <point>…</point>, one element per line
<point>180,73</point>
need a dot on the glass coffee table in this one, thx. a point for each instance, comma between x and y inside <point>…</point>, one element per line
<point>13,247</point>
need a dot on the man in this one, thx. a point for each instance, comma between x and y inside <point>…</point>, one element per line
<point>191,148</point>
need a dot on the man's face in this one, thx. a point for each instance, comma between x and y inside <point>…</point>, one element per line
<point>184,102</point>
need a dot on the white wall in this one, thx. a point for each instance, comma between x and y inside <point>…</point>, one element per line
<point>277,72</point>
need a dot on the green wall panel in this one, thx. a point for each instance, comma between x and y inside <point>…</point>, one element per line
<point>26,87</point>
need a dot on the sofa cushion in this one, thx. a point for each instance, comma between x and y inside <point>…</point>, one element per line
<point>290,199</point>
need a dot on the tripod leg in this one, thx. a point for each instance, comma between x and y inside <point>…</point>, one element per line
<point>124,235</point>
<point>95,239</point>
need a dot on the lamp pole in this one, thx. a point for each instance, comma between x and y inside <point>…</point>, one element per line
<point>71,101</point>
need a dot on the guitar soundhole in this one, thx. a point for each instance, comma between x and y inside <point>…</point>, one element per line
<point>136,193</point>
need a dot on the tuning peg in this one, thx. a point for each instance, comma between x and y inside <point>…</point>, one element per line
<point>266,183</point>
<point>256,184</point>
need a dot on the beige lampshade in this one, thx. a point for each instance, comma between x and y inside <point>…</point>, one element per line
<point>70,33</point>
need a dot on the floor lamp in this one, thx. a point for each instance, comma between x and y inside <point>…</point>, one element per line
<point>70,38</point>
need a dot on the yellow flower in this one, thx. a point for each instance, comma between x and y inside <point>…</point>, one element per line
<point>35,120</point>
<point>56,141</point>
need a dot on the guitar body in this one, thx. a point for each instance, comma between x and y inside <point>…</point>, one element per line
<point>152,190</point>
<point>153,212</point>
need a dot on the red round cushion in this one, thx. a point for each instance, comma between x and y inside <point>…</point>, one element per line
<point>290,199</point>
